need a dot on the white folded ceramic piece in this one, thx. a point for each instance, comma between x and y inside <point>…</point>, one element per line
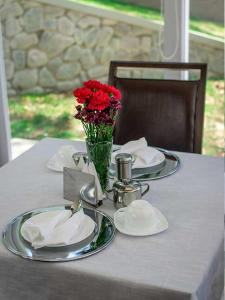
<point>63,158</point>
<point>57,228</point>
<point>135,222</point>
<point>144,156</point>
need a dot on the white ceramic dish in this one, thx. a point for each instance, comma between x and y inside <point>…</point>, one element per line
<point>156,228</point>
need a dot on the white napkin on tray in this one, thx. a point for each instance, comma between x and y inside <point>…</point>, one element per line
<point>57,228</point>
<point>63,158</point>
<point>144,155</point>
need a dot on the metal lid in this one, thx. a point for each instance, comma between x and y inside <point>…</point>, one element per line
<point>123,158</point>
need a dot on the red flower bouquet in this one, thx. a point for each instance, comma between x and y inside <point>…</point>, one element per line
<point>97,108</point>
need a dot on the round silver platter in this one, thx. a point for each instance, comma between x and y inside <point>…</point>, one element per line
<point>101,237</point>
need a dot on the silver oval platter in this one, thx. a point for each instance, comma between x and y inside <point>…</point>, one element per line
<point>101,237</point>
<point>171,165</point>
<point>168,167</point>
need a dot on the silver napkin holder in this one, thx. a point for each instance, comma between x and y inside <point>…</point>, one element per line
<point>73,182</point>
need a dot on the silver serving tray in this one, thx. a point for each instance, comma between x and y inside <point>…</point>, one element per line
<point>102,236</point>
<point>171,165</point>
<point>139,171</point>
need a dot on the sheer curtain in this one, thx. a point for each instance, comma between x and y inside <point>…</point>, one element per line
<point>5,136</point>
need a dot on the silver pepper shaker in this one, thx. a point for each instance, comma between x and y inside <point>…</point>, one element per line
<point>124,189</point>
<point>124,167</point>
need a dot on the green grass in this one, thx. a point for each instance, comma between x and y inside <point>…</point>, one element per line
<point>36,117</point>
<point>215,29</point>
<point>213,142</point>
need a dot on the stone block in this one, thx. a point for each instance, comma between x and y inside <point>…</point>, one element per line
<point>65,26</point>
<point>87,59</point>
<point>68,85</point>
<point>146,44</point>
<point>122,29</point>
<point>35,90</point>
<point>130,44</point>
<point>97,71</point>
<point>88,21</point>
<point>50,24</point>
<point>139,31</point>
<point>10,9</point>
<point>109,22</point>
<point>74,16</point>
<point>19,59</point>
<point>78,36</point>
<point>83,76</point>
<point>90,38</point>
<point>68,71</point>
<point>73,53</point>
<point>33,19</point>
<point>25,79</point>
<point>46,78</point>
<point>12,26</point>
<point>54,43</point>
<point>104,36</point>
<point>36,58</point>
<point>103,54</point>
<point>24,41</point>
<point>54,64</point>
<point>53,11</point>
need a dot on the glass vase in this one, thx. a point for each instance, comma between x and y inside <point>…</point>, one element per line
<point>100,154</point>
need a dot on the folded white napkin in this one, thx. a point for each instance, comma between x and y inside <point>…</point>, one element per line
<point>63,158</point>
<point>144,156</point>
<point>57,228</point>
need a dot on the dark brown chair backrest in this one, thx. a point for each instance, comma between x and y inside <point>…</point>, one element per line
<point>168,113</point>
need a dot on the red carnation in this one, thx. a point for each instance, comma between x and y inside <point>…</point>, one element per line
<point>93,84</point>
<point>99,101</point>
<point>82,94</point>
<point>112,91</point>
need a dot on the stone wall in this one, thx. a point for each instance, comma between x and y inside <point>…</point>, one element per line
<point>53,48</point>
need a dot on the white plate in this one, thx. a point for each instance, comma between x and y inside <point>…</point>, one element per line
<point>158,227</point>
<point>84,233</point>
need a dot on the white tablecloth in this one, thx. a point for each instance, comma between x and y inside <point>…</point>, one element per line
<point>184,262</point>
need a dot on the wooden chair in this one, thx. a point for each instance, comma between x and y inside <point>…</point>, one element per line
<point>168,113</point>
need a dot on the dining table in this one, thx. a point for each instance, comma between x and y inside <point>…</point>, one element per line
<point>185,262</point>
